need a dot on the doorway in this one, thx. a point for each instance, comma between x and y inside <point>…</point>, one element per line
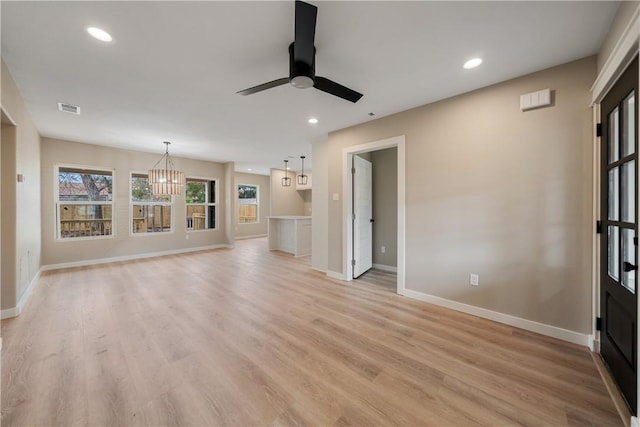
<point>8,144</point>
<point>362,202</point>
<point>348,206</point>
<point>619,241</point>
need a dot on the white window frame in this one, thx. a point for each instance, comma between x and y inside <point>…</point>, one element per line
<point>257,221</point>
<point>139,203</point>
<point>57,202</point>
<point>206,204</point>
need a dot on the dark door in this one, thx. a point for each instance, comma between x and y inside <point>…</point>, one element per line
<point>619,255</point>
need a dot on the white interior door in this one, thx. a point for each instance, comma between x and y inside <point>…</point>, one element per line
<point>362,216</point>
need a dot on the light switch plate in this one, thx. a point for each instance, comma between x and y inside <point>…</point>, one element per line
<point>474,279</point>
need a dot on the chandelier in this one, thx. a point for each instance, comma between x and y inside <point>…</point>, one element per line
<point>166,181</point>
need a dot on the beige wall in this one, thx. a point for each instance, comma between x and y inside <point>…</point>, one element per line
<point>495,191</point>
<point>385,206</point>
<point>320,199</point>
<point>285,200</point>
<point>123,243</point>
<point>229,194</point>
<point>23,254</point>
<point>622,19</point>
<point>264,194</point>
<point>307,200</point>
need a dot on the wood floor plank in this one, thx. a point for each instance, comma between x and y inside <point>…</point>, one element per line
<point>248,337</point>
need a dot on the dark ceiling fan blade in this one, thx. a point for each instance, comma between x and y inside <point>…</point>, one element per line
<point>264,86</point>
<point>305,32</point>
<point>336,89</point>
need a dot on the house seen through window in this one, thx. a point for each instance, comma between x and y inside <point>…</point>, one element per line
<point>247,203</point>
<point>84,204</point>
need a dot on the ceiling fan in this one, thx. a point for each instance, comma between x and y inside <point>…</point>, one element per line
<point>302,60</point>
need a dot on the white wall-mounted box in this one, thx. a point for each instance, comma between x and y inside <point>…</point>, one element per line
<point>540,98</point>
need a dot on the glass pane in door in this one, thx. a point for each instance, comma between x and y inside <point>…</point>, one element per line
<point>613,234</point>
<point>629,259</point>
<point>629,191</point>
<point>614,194</point>
<point>614,153</point>
<point>629,125</point>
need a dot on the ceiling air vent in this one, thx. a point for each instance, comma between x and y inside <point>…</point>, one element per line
<point>68,108</point>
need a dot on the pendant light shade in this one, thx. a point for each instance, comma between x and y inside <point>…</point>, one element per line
<point>166,181</point>
<point>302,178</point>
<point>286,181</point>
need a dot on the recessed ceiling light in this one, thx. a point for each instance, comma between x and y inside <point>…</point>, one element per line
<point>472,63</point>
<point>249,169</point>
<point>313,120</point>
<point>99,34</point>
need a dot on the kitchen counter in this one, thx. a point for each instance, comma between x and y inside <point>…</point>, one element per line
<point>291,234</point>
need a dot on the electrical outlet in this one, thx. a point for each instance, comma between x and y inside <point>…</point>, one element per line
<point>383,249</point>
<point>186,237</point>
<point>474,279</point>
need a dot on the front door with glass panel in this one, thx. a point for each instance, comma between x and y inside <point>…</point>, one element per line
<point>618,284</point>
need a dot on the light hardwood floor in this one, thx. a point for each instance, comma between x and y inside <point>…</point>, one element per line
<point>247,337</point>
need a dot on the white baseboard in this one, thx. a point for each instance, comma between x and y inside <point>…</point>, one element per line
<point>8,313</point>
<point>335,275</point>
<point>594,344</point>
<point>507,319</point>
<point>255,236</point>
<point>27,293</point>
<point>389,268</point>
<point>130,257</point>
<point>319,269</point>
<point>635,422</point>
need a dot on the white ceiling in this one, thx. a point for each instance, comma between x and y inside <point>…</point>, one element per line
<point>174,67</point>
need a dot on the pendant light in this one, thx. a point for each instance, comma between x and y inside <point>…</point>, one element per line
<point>302,178</point>
<point>165,181</point>
<point>286,181</point>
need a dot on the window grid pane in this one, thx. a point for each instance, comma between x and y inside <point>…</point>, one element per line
<point>614,194</point>
<point>629,125</point>
<point>613,257</point>
<point>628,183</point>
<point>84,220</point>
<point>613,136</point>
<point>629,256</point>
<point>151,218</point>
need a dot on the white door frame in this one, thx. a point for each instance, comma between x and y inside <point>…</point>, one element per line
<point>347,206</point>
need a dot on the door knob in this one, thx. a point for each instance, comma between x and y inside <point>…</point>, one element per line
<point>627,267</point>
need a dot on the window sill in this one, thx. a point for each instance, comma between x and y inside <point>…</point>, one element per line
<point>82,239</point>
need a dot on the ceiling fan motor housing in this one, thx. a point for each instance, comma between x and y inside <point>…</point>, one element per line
<point>301,75</point>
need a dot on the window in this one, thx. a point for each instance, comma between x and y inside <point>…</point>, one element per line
<point>84,203</point>
<point>200,198</point>
<point>149,213</point>
<point>247,203</point>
